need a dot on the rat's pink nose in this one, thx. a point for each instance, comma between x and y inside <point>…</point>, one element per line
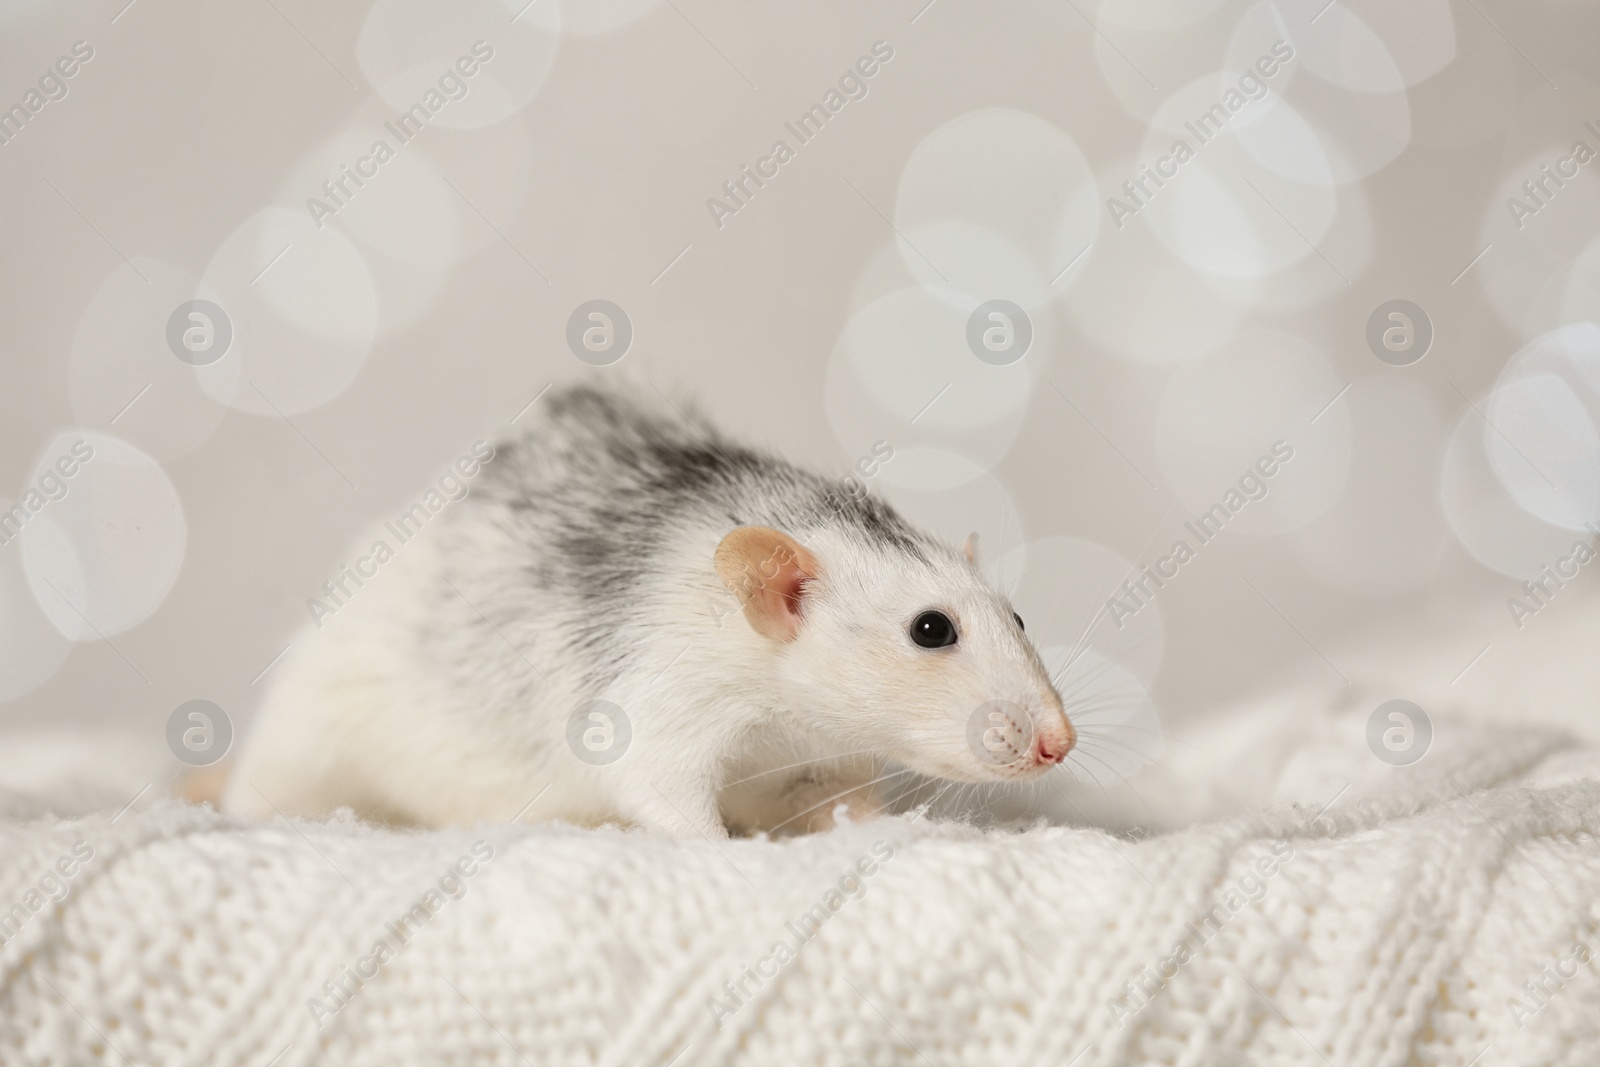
<point>1055,744</point>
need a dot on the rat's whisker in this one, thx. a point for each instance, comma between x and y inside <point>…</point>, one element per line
<point>888,805</point>
<point>801,763</point>
<point>1084,677</point>
<point>1074,761</point>
<point>1116,775</point>
<point>917,784</point>
<point>1159,732</point>
<point>1086,738</point>
<point>1104,713</point>
<point>1126,752</point>
<point>1146,761</point>
<point>927,805</point>
<point>1126,781</point>
<point>1083,647</point>
<point>837,796</point>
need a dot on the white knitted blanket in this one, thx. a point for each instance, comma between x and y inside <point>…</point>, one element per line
<point>1431,913</point>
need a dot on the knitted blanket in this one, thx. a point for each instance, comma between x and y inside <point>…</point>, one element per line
<point>1351,913</point>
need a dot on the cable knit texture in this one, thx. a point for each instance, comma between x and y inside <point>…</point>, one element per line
<point>1452,908</point>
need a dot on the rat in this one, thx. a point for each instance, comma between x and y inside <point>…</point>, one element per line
<point>632,619</point>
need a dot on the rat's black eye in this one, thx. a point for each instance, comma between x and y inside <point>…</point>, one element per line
<point>1021,627</point>
<point>933,629</point>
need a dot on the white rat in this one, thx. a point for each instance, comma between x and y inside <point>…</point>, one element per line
<point>633,619</point>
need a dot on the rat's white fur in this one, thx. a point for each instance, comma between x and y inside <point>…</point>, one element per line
<point>407,707</point>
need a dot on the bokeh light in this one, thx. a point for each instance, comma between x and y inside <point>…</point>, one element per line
<point>1386,533</point>
<point>951,496</point>
<point>1061,586</point>
<point>1536,269</point>
<point>1483,516</point>
<point>1540,432</point>
<point>902,372</point>
<point>304,312</point>
<point>31,648</point>
<point>602,16</point>
<point>410,50</point>
<point>1227,210</point>
<point>996,203</point>
<point>1224,415</point>
<point>103,551</point>
<point>1417,39</point>
<point>126,379</point>
<point>1172,313</point>
<point>1341,80</point>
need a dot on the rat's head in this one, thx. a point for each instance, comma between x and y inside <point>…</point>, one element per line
<point>899,648</point>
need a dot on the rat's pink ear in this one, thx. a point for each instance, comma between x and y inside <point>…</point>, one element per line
<point>768,571</point>
<point>969,547</point>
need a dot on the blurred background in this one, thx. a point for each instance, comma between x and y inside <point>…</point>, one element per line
<point>979,249</point>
